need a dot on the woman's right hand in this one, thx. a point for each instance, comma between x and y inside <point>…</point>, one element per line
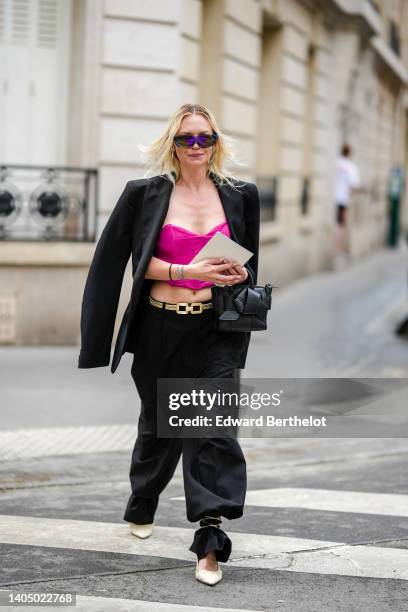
<point>212,270</point>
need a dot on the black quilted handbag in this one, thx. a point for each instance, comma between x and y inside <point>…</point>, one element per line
<point>241,307</point>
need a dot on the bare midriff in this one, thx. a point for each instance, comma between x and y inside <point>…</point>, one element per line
<point>165,293</point>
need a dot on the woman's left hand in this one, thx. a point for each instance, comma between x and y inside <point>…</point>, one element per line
<point>236,268</point>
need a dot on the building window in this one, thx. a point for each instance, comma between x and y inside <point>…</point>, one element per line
<point>269,124</point>
<point>268,196</point>
<point>394,38</point>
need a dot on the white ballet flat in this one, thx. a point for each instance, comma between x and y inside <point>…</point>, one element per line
<point>210,577</point>
<point>141,531</point>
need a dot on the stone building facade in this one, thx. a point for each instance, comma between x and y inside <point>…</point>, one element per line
<point>289,81</point>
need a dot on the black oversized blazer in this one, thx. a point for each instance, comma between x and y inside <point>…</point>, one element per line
<point>132,230</point>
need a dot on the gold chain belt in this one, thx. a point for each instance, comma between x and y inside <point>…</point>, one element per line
<point>182,307</point>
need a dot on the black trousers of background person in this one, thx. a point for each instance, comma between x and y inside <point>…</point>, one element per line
<point>173,345</point>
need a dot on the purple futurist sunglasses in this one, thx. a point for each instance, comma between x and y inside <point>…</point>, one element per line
<point>203,140</point>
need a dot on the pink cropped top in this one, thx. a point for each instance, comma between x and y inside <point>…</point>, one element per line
<point>179,245</point>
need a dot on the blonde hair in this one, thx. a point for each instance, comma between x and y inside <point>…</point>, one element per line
<point>160,158</point>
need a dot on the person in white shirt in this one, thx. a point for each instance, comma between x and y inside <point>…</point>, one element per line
<point>347,179</point>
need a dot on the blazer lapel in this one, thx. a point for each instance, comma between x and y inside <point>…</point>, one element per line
<point>154,210</point>
<point>233,204</point>
<point>156,203</point>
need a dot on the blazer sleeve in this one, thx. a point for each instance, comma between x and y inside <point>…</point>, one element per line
<point>104,283</point>
<point>252,224</point>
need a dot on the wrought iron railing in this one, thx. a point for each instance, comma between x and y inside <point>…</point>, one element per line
<point>48,203</point>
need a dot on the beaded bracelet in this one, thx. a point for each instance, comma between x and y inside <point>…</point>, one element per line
<point>180,271</point>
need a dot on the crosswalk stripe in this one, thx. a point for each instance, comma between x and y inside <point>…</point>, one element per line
<point>249,550</point>
<point>41,442</point>
<point>86,603</point>
<point>388,504</point>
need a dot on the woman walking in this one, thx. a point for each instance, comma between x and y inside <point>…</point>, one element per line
<point>169,323</point>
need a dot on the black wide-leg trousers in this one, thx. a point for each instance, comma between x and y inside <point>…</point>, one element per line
<point>173,345</point>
